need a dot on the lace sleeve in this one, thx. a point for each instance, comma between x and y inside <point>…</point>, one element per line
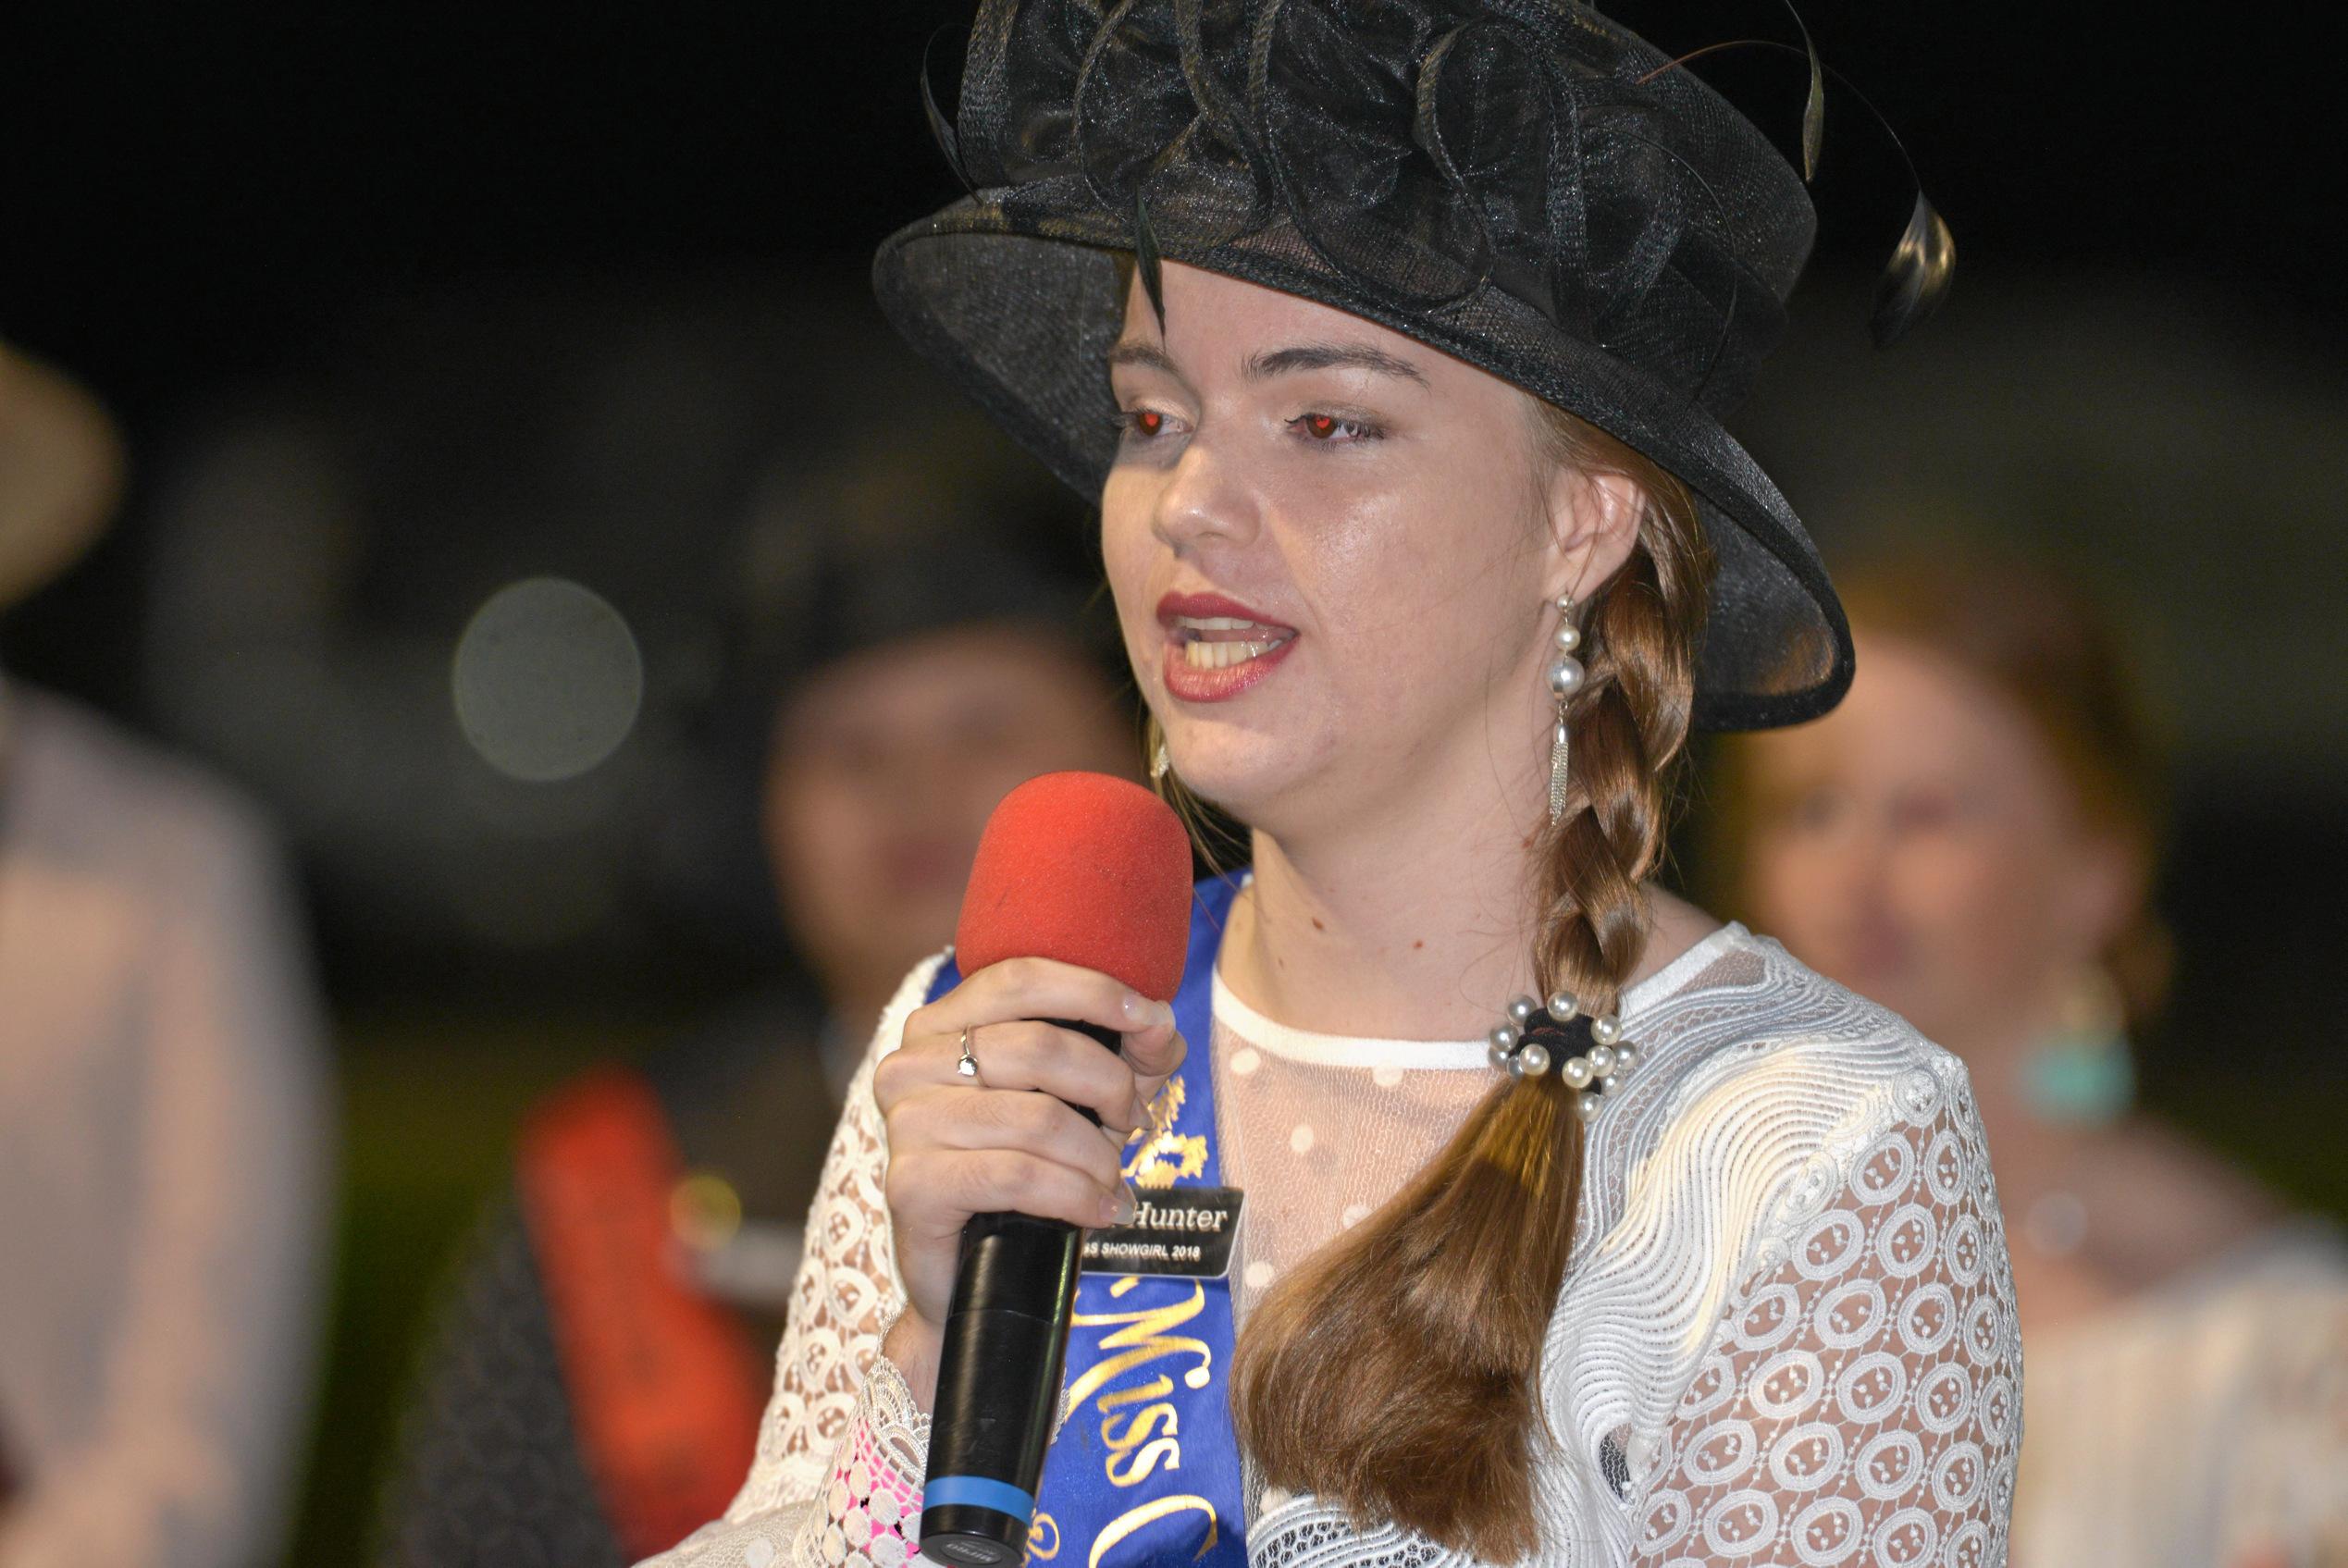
<point>1861,1401</point>
<point>866,1511</point>
<point>842,1445</point>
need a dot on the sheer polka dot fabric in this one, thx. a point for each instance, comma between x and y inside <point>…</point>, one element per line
<point>1319,1129</point>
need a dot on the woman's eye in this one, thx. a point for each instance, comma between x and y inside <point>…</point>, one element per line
<point>1926,813</point>
<point>1814,811</point>
<point>1333,429</point>
<point>1142,424</point>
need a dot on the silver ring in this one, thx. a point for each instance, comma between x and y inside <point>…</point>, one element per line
<point>967,1065</point>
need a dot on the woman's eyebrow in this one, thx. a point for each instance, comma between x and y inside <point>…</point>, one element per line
<point>1281,362</point>
<point>1146,355</point>
<point>1333,356</point>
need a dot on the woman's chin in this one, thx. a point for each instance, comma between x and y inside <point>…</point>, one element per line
<point>1257,778</point>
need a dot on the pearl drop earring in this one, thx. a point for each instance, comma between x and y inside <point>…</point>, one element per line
<point>1565,677</point>
<point>1160,764</point>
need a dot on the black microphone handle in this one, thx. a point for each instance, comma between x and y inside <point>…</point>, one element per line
<point>999,1376</point>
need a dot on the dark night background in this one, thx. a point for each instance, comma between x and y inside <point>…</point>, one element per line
<point>198,201</point>
<point>193,193</point>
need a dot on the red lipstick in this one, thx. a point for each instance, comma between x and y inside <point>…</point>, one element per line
<point>1217,648</point>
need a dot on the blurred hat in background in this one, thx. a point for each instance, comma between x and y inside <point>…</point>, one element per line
<point>61,472</point>
<point>880,544</point>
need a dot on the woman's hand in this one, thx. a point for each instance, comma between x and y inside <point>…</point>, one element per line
<point>1005,1140</point>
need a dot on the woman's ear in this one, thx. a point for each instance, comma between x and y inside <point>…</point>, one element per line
<point>2108,885</point>
<point>1593,527</point>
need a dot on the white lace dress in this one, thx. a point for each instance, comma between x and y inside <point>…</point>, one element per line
<point>1787,1336</point>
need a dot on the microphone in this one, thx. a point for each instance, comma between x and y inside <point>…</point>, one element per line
<point>1095,872</point>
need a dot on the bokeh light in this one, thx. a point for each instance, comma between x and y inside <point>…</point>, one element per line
<point>548,681</point>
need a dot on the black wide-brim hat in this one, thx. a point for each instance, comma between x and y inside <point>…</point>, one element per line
<point>1522,184</point>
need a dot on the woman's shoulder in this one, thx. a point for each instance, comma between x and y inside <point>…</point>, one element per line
<point>2249,1344</point>
<point>2283,1298</point>
<point>2195,1249</point>
<point>99,796</point>
<point>1782,1140</point>
<point>1739,1029</point>
<point>1767,1094</point>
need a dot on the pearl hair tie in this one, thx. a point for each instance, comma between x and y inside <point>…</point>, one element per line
<point>1589,1053</point>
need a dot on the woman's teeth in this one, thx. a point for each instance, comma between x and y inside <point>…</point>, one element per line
<point>1218,642</point>
<point>1221,655</point>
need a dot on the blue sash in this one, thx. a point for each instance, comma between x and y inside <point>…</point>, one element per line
<point>1146,1467</point>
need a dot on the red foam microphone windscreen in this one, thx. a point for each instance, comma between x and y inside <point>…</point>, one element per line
<point>1085,869</point>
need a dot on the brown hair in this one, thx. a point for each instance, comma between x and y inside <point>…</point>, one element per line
<point>1396,1373</point>
<point>2038,641</point>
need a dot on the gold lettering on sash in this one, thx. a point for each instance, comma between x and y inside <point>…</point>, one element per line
<point>1141,1337</point>
<point>1155,1388</point>
<point>1149,1513</point>
<point>1140,1467</point>
<point>1140,1425</point>
<point>1166,1156</point>
<point>1146,1441</point>
<point>1042,1538</point>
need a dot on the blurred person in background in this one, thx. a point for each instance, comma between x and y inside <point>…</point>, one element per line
<point>163,1152</point>
<point>1970,840</point>
<point>593,1387</point>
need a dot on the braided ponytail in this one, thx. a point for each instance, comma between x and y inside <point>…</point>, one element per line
<point>1396,1373</point>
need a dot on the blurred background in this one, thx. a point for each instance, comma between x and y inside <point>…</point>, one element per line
<point>424,323</point>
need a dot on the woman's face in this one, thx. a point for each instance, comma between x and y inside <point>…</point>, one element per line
<point>1920,846</point>
<point>1329,552</point>
<point>885,767</point>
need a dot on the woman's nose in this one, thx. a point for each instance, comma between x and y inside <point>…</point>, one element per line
<point>1207,499</point>
<point>1846,861</point>
<point>1869,856</point>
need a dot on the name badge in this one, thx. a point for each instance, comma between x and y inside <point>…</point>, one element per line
<point>1185,1231</point>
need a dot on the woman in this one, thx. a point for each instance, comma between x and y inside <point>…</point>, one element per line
<point>1969,838</point>
<point>1411,485</point>
<point>165,1144</point>
<point>895,701</point>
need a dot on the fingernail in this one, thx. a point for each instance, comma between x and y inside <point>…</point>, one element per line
<point>1143,1012</point>
<point>1123,1206</point>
